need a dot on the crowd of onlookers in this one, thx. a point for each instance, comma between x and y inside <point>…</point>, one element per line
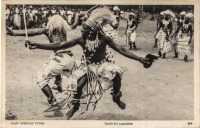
<point>36,16</point>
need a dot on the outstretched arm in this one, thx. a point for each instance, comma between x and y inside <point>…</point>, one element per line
<point>157,30</point>
<point>177,30</point>
<point>55,46</point>
<point>124,51</point>
<point>77,17</point>
<point>30,32</point>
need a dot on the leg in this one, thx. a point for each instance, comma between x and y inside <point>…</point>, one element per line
<point>175,51</point>
<point>116,91</point>
<point>75,102</point>
<point>58,83</point>
<point>164,55</point>
<point>156,41</point>
<point>186,58</point>
<point>159,53</point>
<point>44,76</point>
<point>130,43</point>
<point>52,101</point>
<point>134,45</point>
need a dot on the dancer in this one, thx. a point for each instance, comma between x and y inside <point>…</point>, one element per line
<point>179,24</point>
<point>132,25</point>
<point>96,67</point>
<point>158,34</point>
<point>60,61</point>
<point>184,35</point>
<point>165,29</point>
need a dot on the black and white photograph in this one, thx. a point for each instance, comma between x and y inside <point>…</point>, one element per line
<point>111,62</point>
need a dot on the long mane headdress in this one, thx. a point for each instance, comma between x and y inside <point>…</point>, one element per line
<point>98,16</point>
<point>56,22</point>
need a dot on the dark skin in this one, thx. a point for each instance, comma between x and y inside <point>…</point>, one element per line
<point>169,26</point>
<point>54,37</point>
<point>190,30</point>
<point>159,21</point>
<point>98,56</point>
<point>38,31</point>
<point>134,24</point>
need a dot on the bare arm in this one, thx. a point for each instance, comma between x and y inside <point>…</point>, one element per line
<point>177,30</point>
<point>56,46</point>
<point>123,51</point>
<point>126,27</point>
<point>157,30</point>
<point>191,33</point>
<point>30,32</point>
<point>171,28</point>
<point>77,17</point>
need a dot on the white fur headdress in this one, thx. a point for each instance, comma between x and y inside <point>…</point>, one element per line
<point>189,15</point>
<point>183,13</point>
<point>56,22</point>
<point>162,13</point>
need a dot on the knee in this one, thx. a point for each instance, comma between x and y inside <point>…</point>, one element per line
<point>117,78</point>
<point>58,78</point>
<point>42,84</point>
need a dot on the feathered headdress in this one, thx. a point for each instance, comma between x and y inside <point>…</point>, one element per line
<point>183,13</point>
<point>56,22</point>
<point>189,15</point>
<point>98,16</point>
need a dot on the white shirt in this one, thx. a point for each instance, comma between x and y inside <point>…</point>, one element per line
<point>53,11</point>
<point>30,16</point>
<point>62,12</point>
<point>16,10</point>
<point>7,13</point>
<point>44,13</point>
<point>34,12</point>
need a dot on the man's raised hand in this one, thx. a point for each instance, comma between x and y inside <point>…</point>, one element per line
<point>9,31</point>
<point>30,44</point>
<point>144,60</point>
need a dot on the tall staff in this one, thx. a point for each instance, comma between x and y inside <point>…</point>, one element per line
<point>24,11</point>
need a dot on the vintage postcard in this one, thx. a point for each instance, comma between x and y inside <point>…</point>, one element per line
<point>100,64</point>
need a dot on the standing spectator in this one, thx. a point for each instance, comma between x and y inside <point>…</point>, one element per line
<point>30,19</point>
<point>7,15</point>
<point>62,12</point>
<point>39,17</point>
<point>17,19</point>
<point>35,16</point>
<point>53,10</point>
<point>69,16</point>
<point>21,16</point>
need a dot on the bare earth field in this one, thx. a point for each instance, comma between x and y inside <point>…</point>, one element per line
<point>163,92</point>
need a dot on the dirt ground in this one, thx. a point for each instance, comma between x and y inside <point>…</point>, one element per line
<point>163,92</point>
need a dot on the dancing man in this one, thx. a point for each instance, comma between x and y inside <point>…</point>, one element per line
<point>165,29</point>
<point>95,59</point>
<point>132,25</point>
<point>60,62</point>
<point>179,24</point>
<point>158,34</point>
<point>184,35</point>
